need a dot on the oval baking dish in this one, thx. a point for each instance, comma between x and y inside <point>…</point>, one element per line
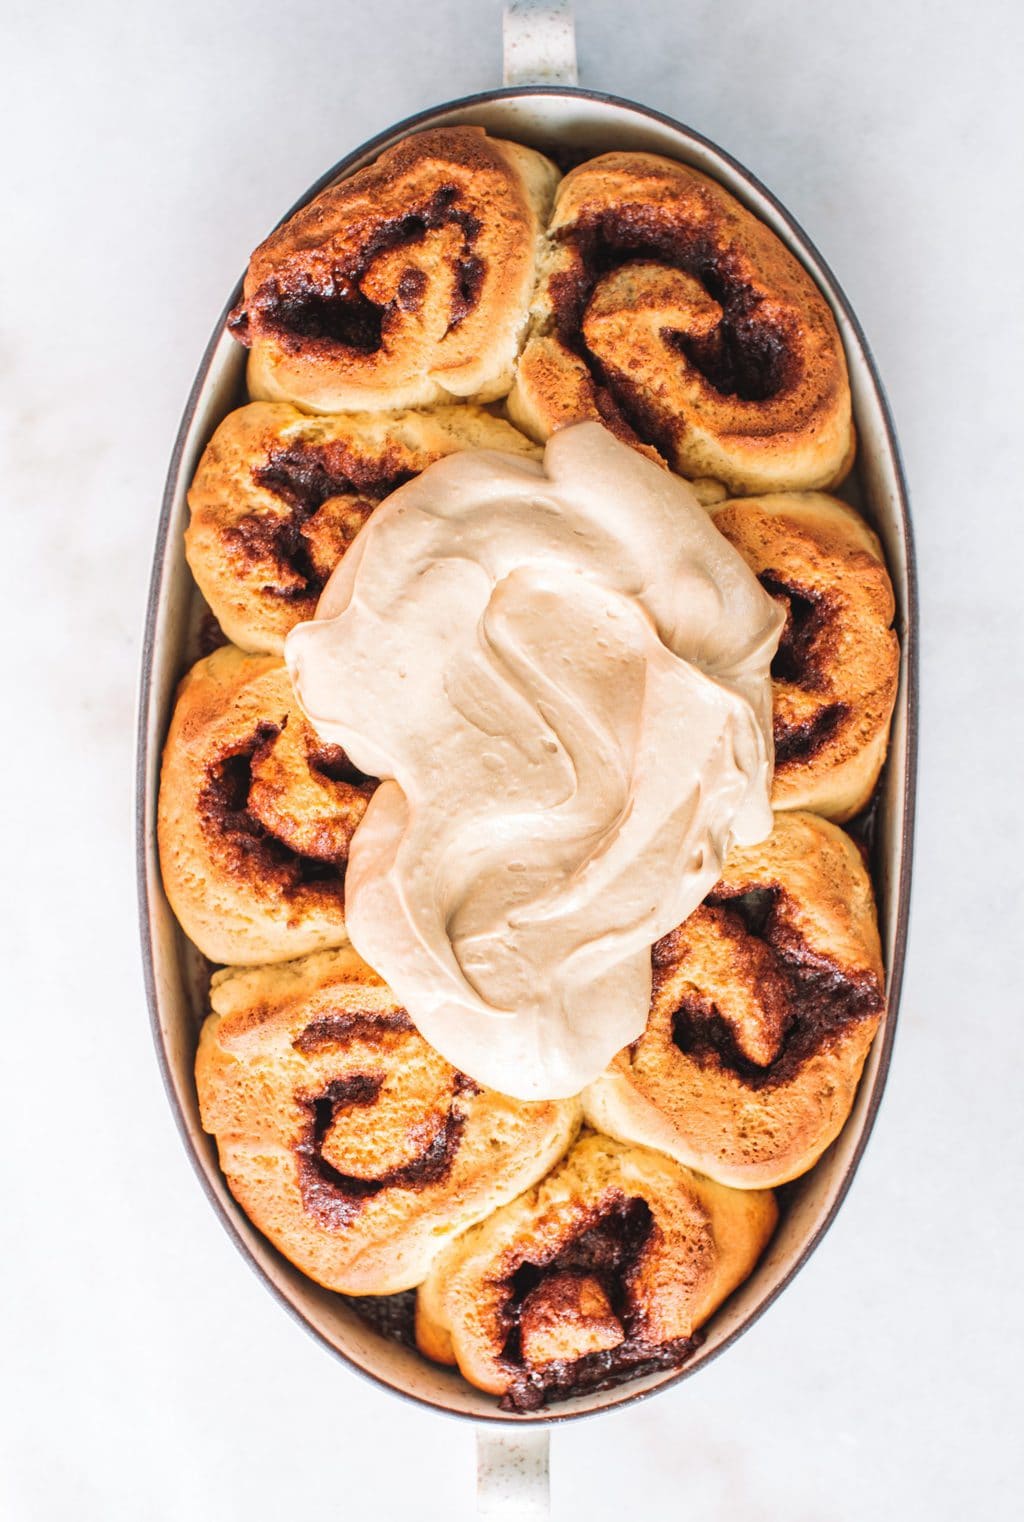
<point>570,121</point>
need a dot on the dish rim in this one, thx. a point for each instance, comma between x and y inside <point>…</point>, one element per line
<point>902,884</point>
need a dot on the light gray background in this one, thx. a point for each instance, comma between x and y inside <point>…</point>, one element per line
<point>147,1373</point>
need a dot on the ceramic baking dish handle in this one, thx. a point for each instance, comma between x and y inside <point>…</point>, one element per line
<point>512,1474</point>
<point>539,43</point>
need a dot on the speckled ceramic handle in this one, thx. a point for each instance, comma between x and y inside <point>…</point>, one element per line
<point>512,1479</point>
<point>539,43</point>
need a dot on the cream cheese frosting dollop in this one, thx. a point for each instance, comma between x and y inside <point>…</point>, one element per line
<point>562,672</point>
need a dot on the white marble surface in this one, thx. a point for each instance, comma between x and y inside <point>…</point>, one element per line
<point>147,1374</point>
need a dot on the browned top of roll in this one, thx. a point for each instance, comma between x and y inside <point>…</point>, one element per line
<point>279,496</point>
<point>605,1271</point>
<point>346,1138</point>
<point>764,1004</point>
<point>789,931</point>
<point>836,671</point>
<point>406,282</point>
<point>255,814</point>
<point>670,311</point>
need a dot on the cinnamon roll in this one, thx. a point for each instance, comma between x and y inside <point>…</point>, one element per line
<point>345,1138</point>
<point>406,284</point>
<point>255,815</point>
<point>765,1003</point>
<point>672,314</point>
<point>279,496</point>
<point>605,1271</point>
<point>835,675</point>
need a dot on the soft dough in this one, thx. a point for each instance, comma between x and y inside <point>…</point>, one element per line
<point>607,1269</point>
<point>351,1144</point>
<point>765,1004</point>
<point>670,312</point>
<point>407,283</point>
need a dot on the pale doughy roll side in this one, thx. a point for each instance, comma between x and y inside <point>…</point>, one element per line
<point>406,284</point>
<point>835,675</point>
<point>279,496</point>
<point>345,1138</point>
<point>765,1004</point>
<point>669,312</point>
<point>255,815</point>
<point>605,1271</point>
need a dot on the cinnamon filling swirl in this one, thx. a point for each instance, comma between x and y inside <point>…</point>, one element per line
<point>311,308</point>
<point>308,540</point>
<point>764,1005</point>
<point>733,338</point>
<point>809,646</point>
<point>798,1000</point>
<point>405,284</point>
<point>836,670</point>
<point>332,1194</point>
<point>579,1298</point>
<point>669,312</point>
<point>335,1197</point>
<point>244,804</point>
<point>605,1272</point>
<point>357,1149</point>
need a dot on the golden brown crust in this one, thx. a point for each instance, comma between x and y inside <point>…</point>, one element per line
<point>346,1139</point>
<point>279,496</point>
<point>837,670</point>
<point>405,284</point>
<point>255,815</point>
<point>606,1270</point>
<point>765,1003</point>
<point>672,314</point>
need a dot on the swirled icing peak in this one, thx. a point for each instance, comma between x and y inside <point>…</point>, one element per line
<point>562,670</point>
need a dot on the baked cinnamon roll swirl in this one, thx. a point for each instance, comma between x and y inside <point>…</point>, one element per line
<point>406,284</point>
<point>279,496</point>
<point>255,815</point>
<point>835,675</point>
<point>672,314</point>
<point>765,1003</point>
<point>605,1271</point>
<point>345,1138</point>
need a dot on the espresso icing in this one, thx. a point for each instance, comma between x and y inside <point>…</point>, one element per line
<point>561,669</point>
